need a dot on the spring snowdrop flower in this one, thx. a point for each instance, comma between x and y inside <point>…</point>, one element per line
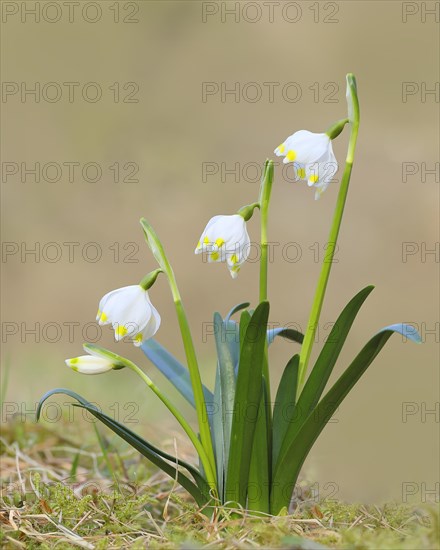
<point>313,158</point>
<point>94,363</point>
<point>225,239</point>
<point>130,312</point>
<point>90,364</point>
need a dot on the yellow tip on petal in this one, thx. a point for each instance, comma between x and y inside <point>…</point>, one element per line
<point>301,173</point>
<point>291,155</point>
<point>234,259</point>
<point>215,256</point>
<point>234,271</point>
<point>103,318</point>
<point>206,240</point>
<point>138,338</point>
<point>313,179</point>
<point>281,148</point>
<point>219,242</point>
<point>121,331</point>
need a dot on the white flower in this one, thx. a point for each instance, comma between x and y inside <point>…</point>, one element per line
<point>313,156</point>
<point>130,312</point>
<point>226,239</point>
<point>90,364</point>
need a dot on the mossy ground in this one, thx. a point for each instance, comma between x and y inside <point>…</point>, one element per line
<point>58,493</point>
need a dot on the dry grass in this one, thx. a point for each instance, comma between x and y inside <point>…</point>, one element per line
<point>56,493</point>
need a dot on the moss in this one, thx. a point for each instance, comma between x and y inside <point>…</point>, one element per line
<point>154,512</point>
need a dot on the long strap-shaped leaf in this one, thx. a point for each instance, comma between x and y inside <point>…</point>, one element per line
<point>156,456</point>
<point>323,368</point>
<point>260,466</point>
<point>288,333</point>
<point>226,365</point>
<point>292,460</point>
<point>284,410</point>
<point>247,401</point>
<point>218,436</point>
<point>173,370</point>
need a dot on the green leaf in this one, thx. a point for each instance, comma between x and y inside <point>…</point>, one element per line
<point>232,339</point>
<point>323,368</point>
<point>247,401</point>
<point>260,467</point>
<point>284,408</point>
<point>291,461</point>
<point>226,365</point>
<point>245,318</point>
<point>289,333</point>
<point>156,456</point>
<point>173,370</point>
<point>235,309</point>
<point>218,435</point>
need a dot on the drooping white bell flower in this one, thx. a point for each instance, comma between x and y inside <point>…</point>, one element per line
<point>90,364</point>
<point>313,158</point>
<point>130,312</point>
<point>225,239</point>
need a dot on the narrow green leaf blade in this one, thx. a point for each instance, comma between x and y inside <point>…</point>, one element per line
<point>153,454</point>
<point>284,408</point>
<point>323,368</point>
<point>227,381</point>
<point>218,436</point>
<point>247,400</point>
<point>260,467</point>
<point>235,309</point>
<point>291,461</point>
<point>245,318</point>
<point>288,333</point>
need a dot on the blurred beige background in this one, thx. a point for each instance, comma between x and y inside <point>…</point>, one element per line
<point>382,436</point>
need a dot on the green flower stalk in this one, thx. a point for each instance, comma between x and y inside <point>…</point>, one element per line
<point>202,413</point>
<point>306,349</point>
<point>265,192</point>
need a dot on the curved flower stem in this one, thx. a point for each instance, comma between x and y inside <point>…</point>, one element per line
<point>315,313</point>
<point>210,476</point>
<point>196,382</point>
